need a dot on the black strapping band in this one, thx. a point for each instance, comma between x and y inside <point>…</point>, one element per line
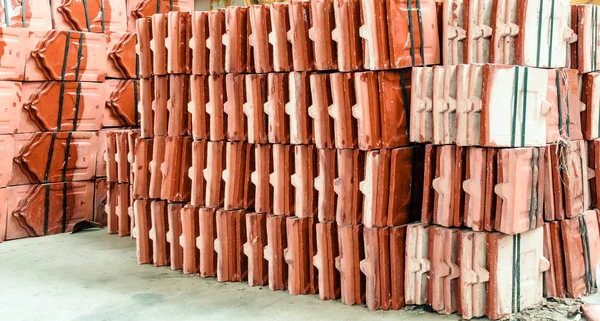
<point>532,192</point>
<point>6,16</point>
<point>524,114</point>
<point>136,116</point>
<point>77,101</point>
<point>64,180</point>
<point>87,15</point>
<point>47,200</point>
<point>405,102</point>
<point>422,45</point>
<point>558,94</point>
<point>515,106</point>
<point>411,31</point>
<point>157,6</point>
<point>24,13</point>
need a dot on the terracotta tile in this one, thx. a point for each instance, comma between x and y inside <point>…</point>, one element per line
<point>417,264</point>
<point>234,175</point>
<point>406,185</point>
<point>375,188</point>
<point>581,241</point>
<point>340,110</point>
<point>163,87</point>
<point>504,31</point>
<point>498,105</point>
<point>158,157</point>
<point>158,44</point>
<point>235,39</point>
<point>143,29</point>
<point>36,17</point>
<point>277,98</point>
<point>214,42</point>
<point>421,105</point>
<point>366,110</point>
<point>174,235</point>
<point>123,168</point>
<point>301,247</point>
<point>472,259</point>
<point>206,242</point>
<point>141,232</point>
<point>590,95</point>
<point>519,173</point>
<point>394,104</point>
<point>554,278</point>
<point>280,179</point>
<point>301,131</point>
<point>273,252</point>
<point>24,113</point>
<point>585,48</point>
<point>550,50</point>
<point>215,164</point>
<point>256,236</point>
<point>110,208</point>
<point>324,261</point>
<point>454,32</point>
<point>109,156</point>
<point>374,32</point>
<point>397,264</point>
<point>445,172</point>
<point>215,107</point>
<point>324,184</point>
<point>350,171</point>
<point>141,169</point>
<point>322,23</point>
<point>280,26</point>
<point>200,35</point>
<point>190,231</point>
<point>444,104</point>
<point>158,233</point>
<point>475,188</point>
<point>260,178</point>
<point>423,48</point>
<point>346,35</point>
<point>13,53</point>
<point>260,27</point>
<point>176,183</point>
<point>121,102</point>
<point>196,173</point>
<point>46,56</point>
<point>233,108</point>
<point>376,268</point>
<point>179,33</point>
<point>478,19</point>
<point>323,125</point>
<point>232,264</point>
<point>254,108</point>
<point>101,188</point>
<point>199,97</point>
<point>48,157</point>
<point>121,60</point>
<point>305,198</point>
<point>45,209</point>
<point>468,104</point>
<point>179,123</point>
<point>142,8</point>
<point>443,285</point>
<point>144,107</point>
<point>122,210</point>
<point>351,252</point>
<point>564,120</point>
<point>302,53</point>
<point>525,252</point>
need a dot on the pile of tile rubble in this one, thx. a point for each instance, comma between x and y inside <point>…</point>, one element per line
<point>386,153</point>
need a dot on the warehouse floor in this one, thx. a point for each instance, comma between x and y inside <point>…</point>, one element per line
<point>94,276</point>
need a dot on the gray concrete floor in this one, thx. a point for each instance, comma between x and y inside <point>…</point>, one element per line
<point>92,276</point>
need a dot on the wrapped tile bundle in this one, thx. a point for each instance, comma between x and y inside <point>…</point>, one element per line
<point>585,56</point>
<point>24,14</point>
<point>89,16</point>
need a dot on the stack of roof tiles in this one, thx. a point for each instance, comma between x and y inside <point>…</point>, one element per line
<point>53,63</point>
<point>121,120</point>
<point>378,152</point>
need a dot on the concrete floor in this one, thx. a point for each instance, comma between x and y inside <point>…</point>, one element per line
<point>92,276</point>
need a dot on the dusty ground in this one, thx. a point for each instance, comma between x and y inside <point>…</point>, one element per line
<point>93,276</point>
